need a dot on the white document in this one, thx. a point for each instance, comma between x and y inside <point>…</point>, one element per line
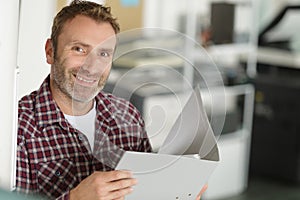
<point>184,162</point>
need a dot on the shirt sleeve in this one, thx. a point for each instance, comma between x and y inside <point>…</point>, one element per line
<point>23,181</point>
<point>145,145</point>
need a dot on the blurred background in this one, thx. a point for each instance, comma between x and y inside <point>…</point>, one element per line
<point>244,54</point>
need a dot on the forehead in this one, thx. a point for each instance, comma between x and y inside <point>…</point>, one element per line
<point>88,31</point>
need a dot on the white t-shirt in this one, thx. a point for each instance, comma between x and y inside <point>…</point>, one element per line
<point>85,124</point>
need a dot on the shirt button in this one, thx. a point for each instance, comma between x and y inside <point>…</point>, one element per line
<point>57,173</point>
<point>80,137</point>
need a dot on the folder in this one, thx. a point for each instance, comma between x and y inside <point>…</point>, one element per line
<point>184,162</point>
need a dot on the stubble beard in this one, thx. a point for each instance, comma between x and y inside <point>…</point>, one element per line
<point>66,83</point>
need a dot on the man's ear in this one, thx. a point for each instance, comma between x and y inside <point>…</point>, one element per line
<point>49,51</point>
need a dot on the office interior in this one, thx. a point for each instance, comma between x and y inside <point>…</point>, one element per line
<point>244,55</point>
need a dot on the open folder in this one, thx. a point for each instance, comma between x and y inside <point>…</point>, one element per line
<point>183,163</point>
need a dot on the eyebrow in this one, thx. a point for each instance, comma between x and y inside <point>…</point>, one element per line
<point>106,49</point>
<point>89,46</point>
<point>80,43</point>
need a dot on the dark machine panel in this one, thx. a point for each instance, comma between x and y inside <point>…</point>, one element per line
<point>275,150</point>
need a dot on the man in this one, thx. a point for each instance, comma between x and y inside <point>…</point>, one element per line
<point>70,133</point>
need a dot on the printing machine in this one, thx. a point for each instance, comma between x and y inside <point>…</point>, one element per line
<point>275,151</point>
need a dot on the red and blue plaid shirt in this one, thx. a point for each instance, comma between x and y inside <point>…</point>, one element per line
<point>53,157</point>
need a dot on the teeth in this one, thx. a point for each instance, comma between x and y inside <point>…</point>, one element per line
<point>84,80</point>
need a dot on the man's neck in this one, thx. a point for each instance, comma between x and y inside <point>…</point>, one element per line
<point>70,106</point>
<point>79,108</point>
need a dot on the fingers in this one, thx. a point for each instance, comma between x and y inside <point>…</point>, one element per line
<point>204,188</point>
<point>118,180</point>
<point>114,184</point>
<point>114,175</point>
<point>120,194</point>
<point>122,198</point>
<point>104,185</point>
<point>122,183</point>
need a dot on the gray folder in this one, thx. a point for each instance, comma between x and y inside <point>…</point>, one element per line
<point>183,163</point>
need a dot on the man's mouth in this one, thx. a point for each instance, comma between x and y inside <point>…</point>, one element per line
<point>85,79</point>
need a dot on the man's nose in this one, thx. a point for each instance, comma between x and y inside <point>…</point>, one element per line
<point>94,65</point>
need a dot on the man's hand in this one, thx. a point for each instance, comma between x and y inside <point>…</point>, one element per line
<point>104,186</point>
<point>201,192</point>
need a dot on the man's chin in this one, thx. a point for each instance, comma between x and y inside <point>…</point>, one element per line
<point>85,96</point>
<point>82,99</point>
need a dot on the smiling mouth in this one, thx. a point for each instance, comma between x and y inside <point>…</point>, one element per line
<point>84,80</point>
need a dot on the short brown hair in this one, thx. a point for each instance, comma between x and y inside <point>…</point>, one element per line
<point>93,10</point>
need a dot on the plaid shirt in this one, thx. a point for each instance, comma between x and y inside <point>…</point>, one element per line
<point>53,157</point>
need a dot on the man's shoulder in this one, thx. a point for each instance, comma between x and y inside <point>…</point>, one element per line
<point>26,115</point>
<point>27,102</point>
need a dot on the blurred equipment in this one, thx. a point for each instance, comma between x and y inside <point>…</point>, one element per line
<point>275,139</point>
<point>278,33</point>
<point>231,176</point>
<point>222,23</point>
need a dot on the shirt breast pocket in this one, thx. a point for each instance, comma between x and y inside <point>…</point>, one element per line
<point>56,177</point>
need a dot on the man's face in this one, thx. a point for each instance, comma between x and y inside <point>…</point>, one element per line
<point>84,56</point>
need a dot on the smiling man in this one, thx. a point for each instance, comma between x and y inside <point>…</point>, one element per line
<point>66,123</point>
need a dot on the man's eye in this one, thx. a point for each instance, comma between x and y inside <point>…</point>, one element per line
<point>104,54</point>
<point>79,49</point>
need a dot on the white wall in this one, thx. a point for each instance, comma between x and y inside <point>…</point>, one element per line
<point>9,12</point>
<point>35,27</point>
<point>21,51</point>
